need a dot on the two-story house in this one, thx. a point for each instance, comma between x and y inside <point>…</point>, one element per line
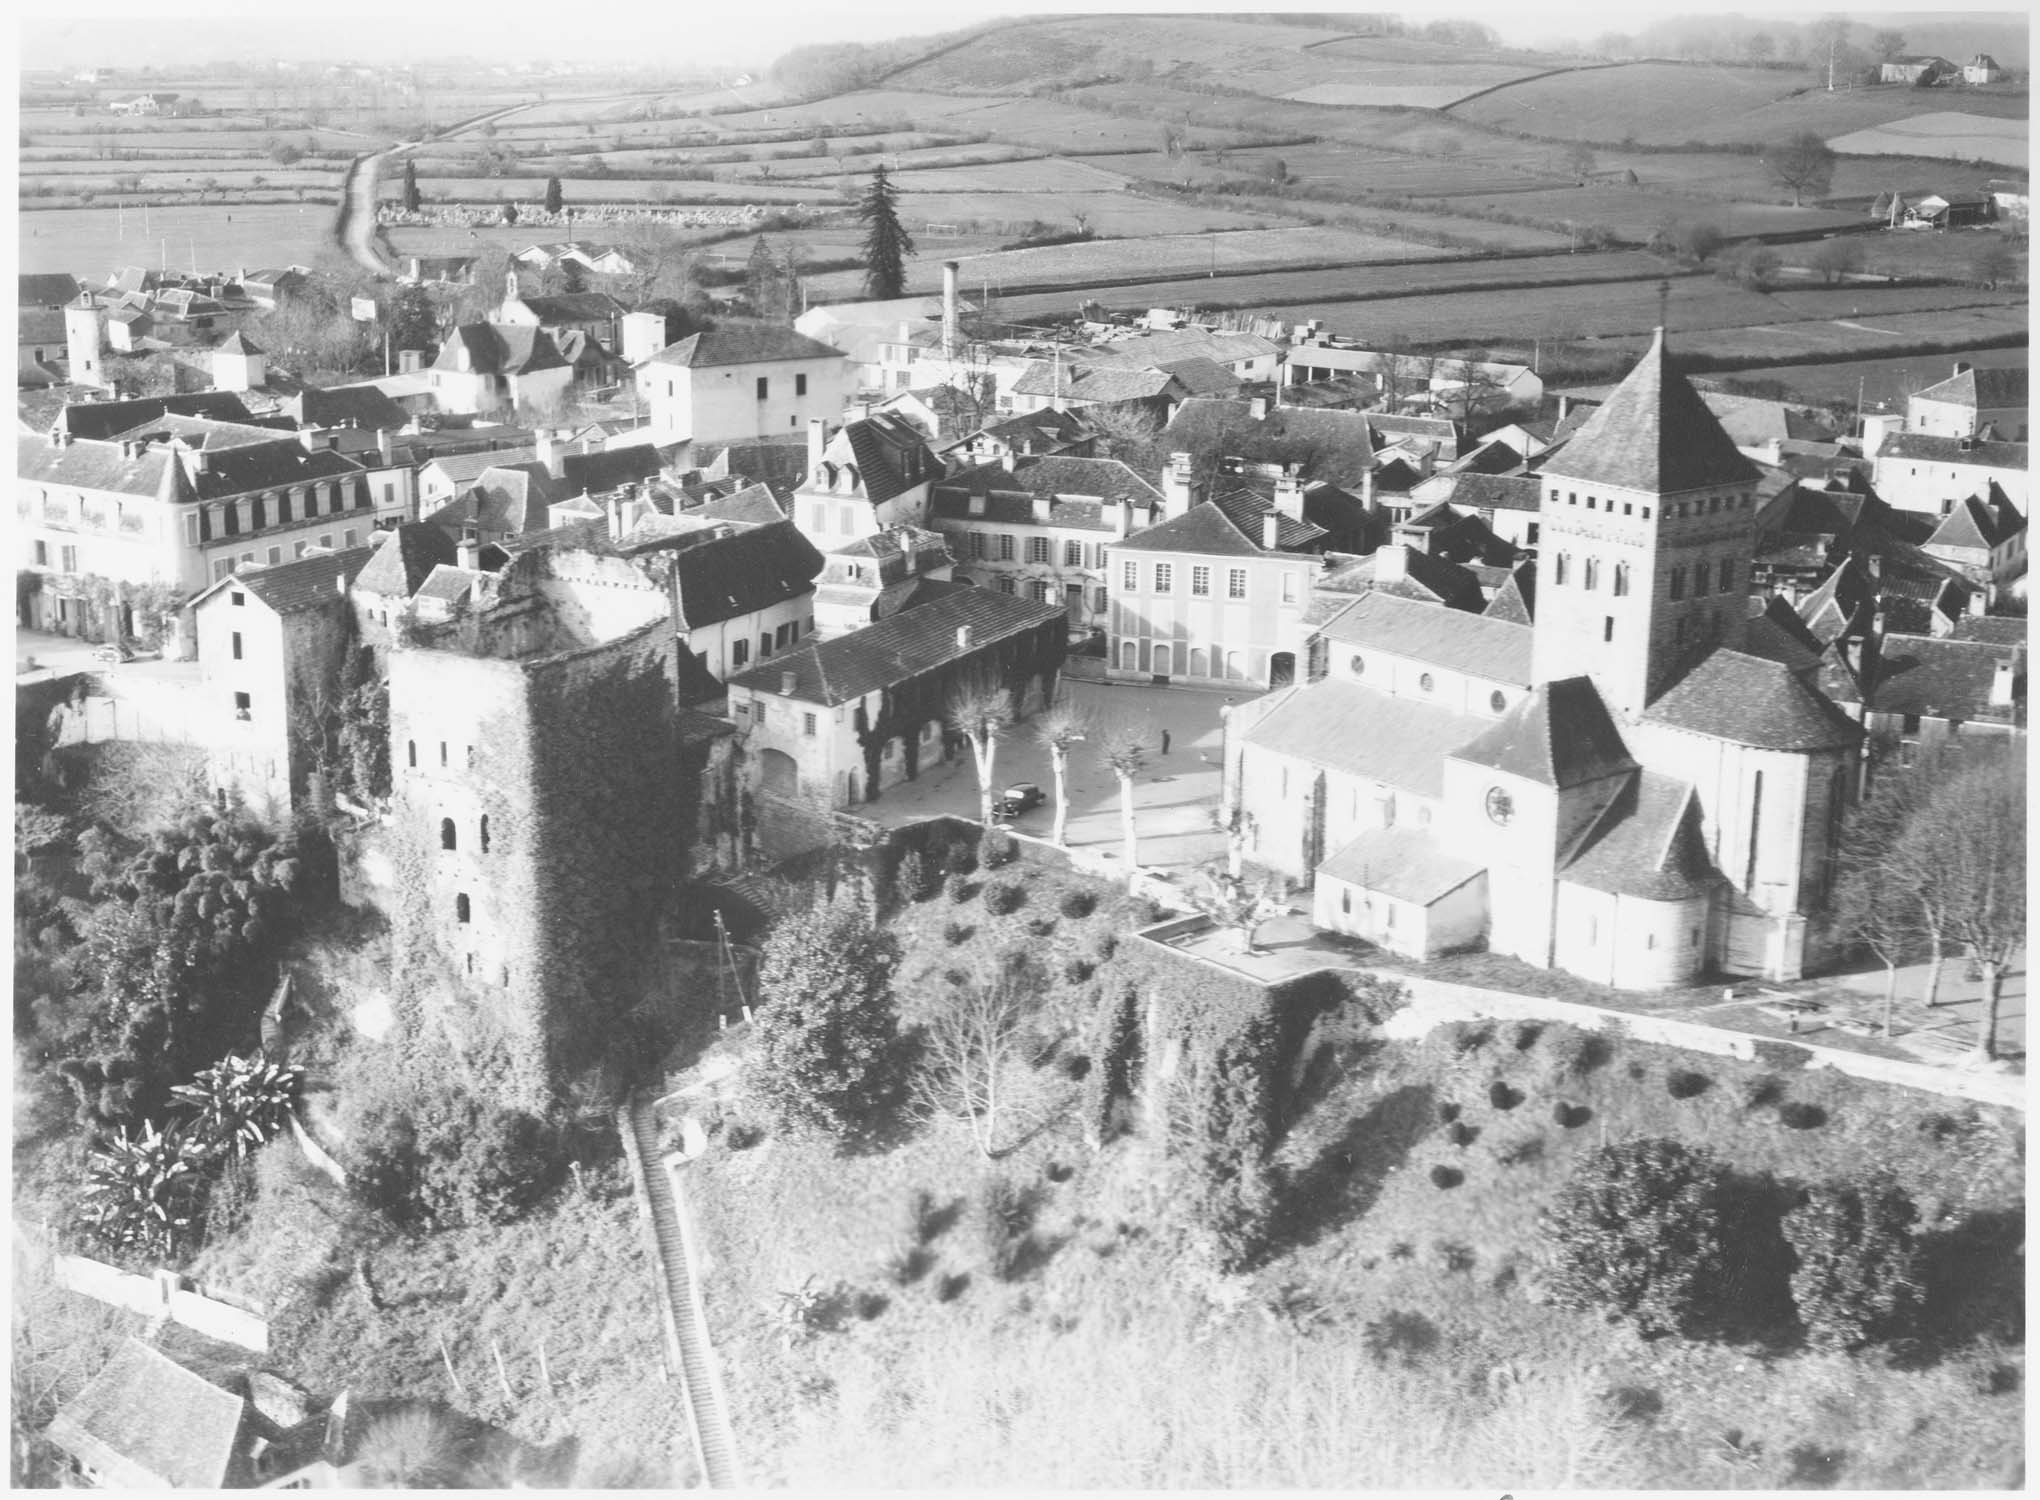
<point>1969,401</point>
<point>870,475</point>
<point>1040,527</point>
<point>1984,537</point>
<point>1928,473</point>
<point>743,379</point>
<point>1218,592</point>
<point>486,367</point>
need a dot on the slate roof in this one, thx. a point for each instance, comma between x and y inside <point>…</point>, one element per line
<point>1941,678</point>
<point>310,582</point>
<point>146,1422</point>
<point>1404,864</point>
<point>1974,525</point>
<point>908,645</point>
<point>1746,700</point>
<point>1775,631</point>
<point>237,342</point>
<point>1479,645</point>
<point>1426,580</point>
<point>1204,529</point>
<point>1363,732</point>
<point>345,405</point>
<point>40,325</point>
<point>1095,384</point>
<point>1248,511</point>
<point>1646,844</point>
<point>101,419</point>
<point>1560,736</point>
<point>1979,389</point>
<point>464,468</point>
<point>728,576</point>
<point>609,469</point>
<point>236,471</point>
<point>1009,494</point>
<point>740,341</point>
<point>2000,630</point>
<point>403,559</point>
<point>1930,448</point>
<point>500,349</point>
<point>48,289</point>
<point>1489,458</point>
<point>1654,434</point>
<point>514,498</point>
<point>752,505</point>
<point>1333,445</point>
<point>573,307</point>
<point>1200,377</point>
<point>890,453</point>
<point>449,584</point>
<point>206,434</point>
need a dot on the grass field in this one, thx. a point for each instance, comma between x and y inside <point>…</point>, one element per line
<point>1397,1336</point>
<point>1635,213</point>
<point>1884,383</point>
<point>1533,276</point>
<point>1119,215</point>
<point>1849,339</point>
<point>1962,137</point>
<point>1085,263</point>
<point>87,241</point>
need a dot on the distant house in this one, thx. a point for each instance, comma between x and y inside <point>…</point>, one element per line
<point>144,104</point>
<point>1056,385</point>
<point>1982,68</point>
<point>1955,210</point>
<point>1921,472</point>
<point>1918,70</point>
<point>1970,400</point>
<point>485,367</point>
<point>1923,690</point>
<point>445,270</point>
<point>265,288</point>
<point>1984,537</point>
<point>743,379</point>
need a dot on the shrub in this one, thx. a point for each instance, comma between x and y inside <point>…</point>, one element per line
<point>956,934</point>
<point>1797,1115</point>
<point>1858,1273</point>
<point>1786,1057</point>
<point>1526,1034</point>
<point>1077,970</point>
<point>1502,1097</point>
<point>963,860</point>
<point>1108,945</point>
<point>1521,1152</point>
<point>1443,1176</point>
<point>1681,1083</point>
<point>1003,896</point>
<point>1465,1037</point>
<point>1575,1052</point>
<point>1568,1116</point>
<point>1637,1232</point>
<point>1459,1133</point>
<point>961,889</point>
<point>997,848</point>
<point>910,881</point>
<point>1762,1092</point>
<point>1077,905</point>
<point>1040,926</point>
<point>827,1027</point>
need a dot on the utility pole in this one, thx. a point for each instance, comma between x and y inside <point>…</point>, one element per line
<point>1833,41</point>
<point>1664,298</point>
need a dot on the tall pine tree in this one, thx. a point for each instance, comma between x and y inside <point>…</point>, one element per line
<point>555,197</point>
<point>886,242</point>
<point>411,198</point>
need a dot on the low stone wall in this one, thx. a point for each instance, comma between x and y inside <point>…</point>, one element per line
<point>164,1295</point>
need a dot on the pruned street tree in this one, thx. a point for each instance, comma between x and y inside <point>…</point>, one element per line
<point>1803,164</point>
<point>981,711</point>
<point>1123,747</point>
<point>1060,726</point>
<point>886,241</point>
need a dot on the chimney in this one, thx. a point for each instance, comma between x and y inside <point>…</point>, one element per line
<point>1289,495</point>
<point>1271,527</point>
<point>384,447</point>
<point>950,340</point>
<point>2001,683</point>
<point>467,552</point>
<point>1006,460</point>
<point>1391,564</point>
<point>310,439</point>
<point>977,502</point>
<point>963,638</point>
<point>1177,496</point>
<point>548,453</point>
<point>1258,408</point>
<point>1124,526</point>
<point>817,440</point>
<point>1367,489</point>
<point>1042,503</point>
<point>786,682</point>
<point>614,507</point>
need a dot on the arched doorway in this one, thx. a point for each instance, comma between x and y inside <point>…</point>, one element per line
<point>1282,669</point>
<point>1129,656</point>
<point>1161,664</point>
<point>1197,666</point>
<point>1235,669</point>
<point>778,773</point>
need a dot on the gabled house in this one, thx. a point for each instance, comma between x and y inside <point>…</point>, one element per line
<point>146,1422</point>
<point>486,367</point>
<point>1950,210</point>
<point>1922,70</point>
<point>1985,538</point>
<point>1982,68</point>
<point>1921,472</point>
<point>1057,385</point>
<point>1025,435</point>
<point>879,576</point>
<point>1989,403</point>
<point>871,474</point>
<point>1925,690</point>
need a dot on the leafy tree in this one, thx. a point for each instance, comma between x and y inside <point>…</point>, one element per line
<point>1761,48</point>
<point>1221,1142</point>
<point>1752,266</point>
<point>414,321</point>
<point>1637,1231</point>
<point>1059,727</point>
<point>1124,748</point>
<point>555,196</point>
<point>1802,163</point>
<point>886,241</point>
<point>1836,258</point>
<point>412,200</point>
<point>827,1028</point>
<point>1858,1272</point>
<point>981,711</point>
<point>1888,45</point>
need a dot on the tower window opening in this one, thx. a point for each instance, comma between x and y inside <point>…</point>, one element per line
<point>463,911</point>
<point>448,838</point>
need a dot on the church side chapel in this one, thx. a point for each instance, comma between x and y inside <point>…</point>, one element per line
<point>1648,772</point>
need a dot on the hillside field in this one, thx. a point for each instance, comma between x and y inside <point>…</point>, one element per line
<point>1949,133</point>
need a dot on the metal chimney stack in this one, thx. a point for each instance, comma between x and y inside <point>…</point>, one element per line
<point>950,341</point>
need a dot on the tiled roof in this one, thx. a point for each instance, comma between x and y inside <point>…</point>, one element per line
<point>1336,446</point>
<point>1647,844</point>
<point>891,455</point>
<point>2000,630</point>
<point>515,499</point>
<point>1941,678</point>
<point>1516,600</point>
<point>1489,458</point>
<point>403,559</point>
<point>1654,434</point>
<point>1450,638</point>
<point>1404,864</point>
<point>100,419</point>
<point>1560,736</point>
<point>1974,525</point>
<point>609,469</point>
<point>1183,343</point>
<point>1094,384</point>
<point>205,433</point>
<point>500,349</point>
<point>50,289</point>
<point>1980,389</point>
<point>1202,529</point>
<point>1747,700</point>
<point>1426,580</point>
<point>236,471</point>
<point>573,307</point>
<point>449,584</point>
<point>146,1422</point>
<point>1200,377</point>
<point>1400,742</point>
<point>1249,511</point>
<point>738,341</point>
<point>309,582</point>
<point>346,405</point>
<point>1009,494</point>
<point>40,325</point>
<point>1947,450</point>
<point>464,468</point>
<point>748,570</point>
<point>1775,631</point>
<point>908,645</point>
<point>753,505</point>
<point>237,342</point>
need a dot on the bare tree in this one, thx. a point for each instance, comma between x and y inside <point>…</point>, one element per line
<point>1970,839</point>
<point>1836,258</point>
<point>1873,905</point>
<point>1131,434</point>
<point>1803,163</point>
<point>981,711</point>
<point>974,1056</point>
<point>1059,727</point>
<point>1124,748</point>
<point>414,1448</point>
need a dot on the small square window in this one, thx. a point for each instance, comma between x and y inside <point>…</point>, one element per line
<point>236,597</point>
<point>243,706</point>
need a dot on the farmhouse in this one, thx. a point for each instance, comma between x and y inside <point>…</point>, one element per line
<point>1916,70</point>
<point>1674,807</point>
<point>1984,538</point>
<point>1982,68</point>
<point>839,720</point>
<point>1952,210</point>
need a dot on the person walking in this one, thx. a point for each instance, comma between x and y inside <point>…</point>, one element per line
<point>1165,742</point>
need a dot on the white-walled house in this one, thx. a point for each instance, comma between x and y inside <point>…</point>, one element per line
<point>743,380</point>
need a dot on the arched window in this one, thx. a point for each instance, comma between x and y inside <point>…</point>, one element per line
<point>1427,682</point>
<point>1559,569</point>
<point>1621,579</point>
<point>485,833</point>
<point>1590,573</point>
<point>462,911</point>
<point>1358,665</point>
<point>448,839</point>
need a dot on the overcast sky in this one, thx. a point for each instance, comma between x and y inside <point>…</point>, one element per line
<point>122,33</point>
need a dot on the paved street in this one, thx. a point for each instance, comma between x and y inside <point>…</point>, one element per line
<point>1175,798</point>
<point>1955,1017</point>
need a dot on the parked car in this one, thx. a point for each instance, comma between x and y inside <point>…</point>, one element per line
<point>1017,799</point>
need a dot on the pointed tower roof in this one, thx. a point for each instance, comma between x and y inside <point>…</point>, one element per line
<point>1653,434</point>
<point>174,488</point>
<point>1559,736</point>
<point>237,342</point>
